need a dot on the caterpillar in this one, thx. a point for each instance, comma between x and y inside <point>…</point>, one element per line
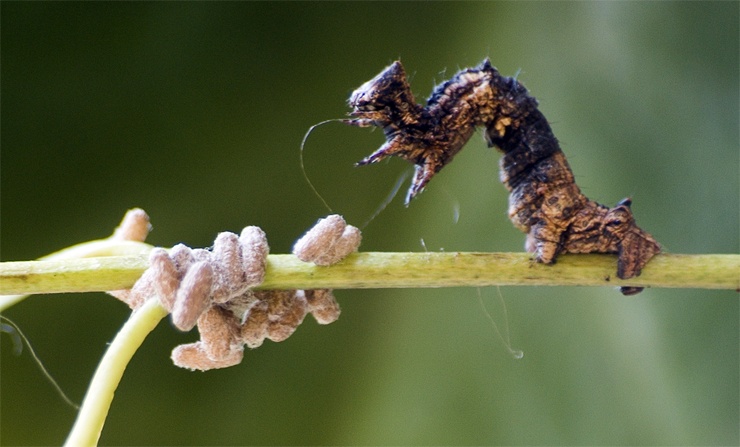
<point>544,200</point>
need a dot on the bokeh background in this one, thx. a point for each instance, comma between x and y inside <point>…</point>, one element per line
<point>195,112</point>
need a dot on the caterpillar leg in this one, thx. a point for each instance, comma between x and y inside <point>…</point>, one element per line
<point>544,242</point>
<point>635,250</point>
<point>388,149</point>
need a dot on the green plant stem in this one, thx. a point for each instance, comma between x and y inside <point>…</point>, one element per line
<point>393,270</point>
<point>65,271</point>
<point>102,247</point>
<point>89,424</point>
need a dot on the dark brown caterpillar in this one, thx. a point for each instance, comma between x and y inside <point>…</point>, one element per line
<point>544,200</point>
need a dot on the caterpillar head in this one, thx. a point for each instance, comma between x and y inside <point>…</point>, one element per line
<point>384,100</point>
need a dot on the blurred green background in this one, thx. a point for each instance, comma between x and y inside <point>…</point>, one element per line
<point>195,112</point>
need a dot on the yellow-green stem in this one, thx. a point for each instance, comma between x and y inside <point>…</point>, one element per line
<point>94,409</point>
<point>118,265</point>
<point>97,248</point>
<point>392,270</point>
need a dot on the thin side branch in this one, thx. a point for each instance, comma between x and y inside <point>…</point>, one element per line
<point>90,420</point>
<point>393,270</point>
